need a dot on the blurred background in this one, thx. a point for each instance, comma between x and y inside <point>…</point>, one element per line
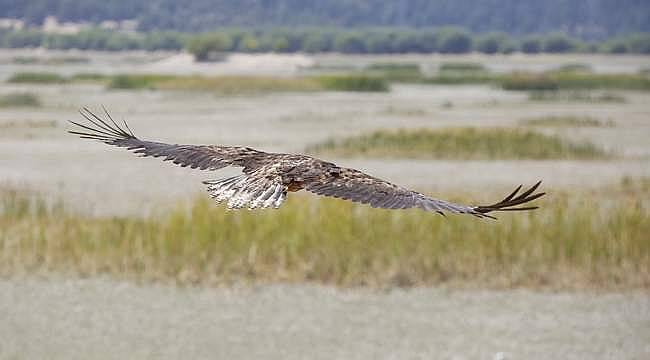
<point>104,255</point>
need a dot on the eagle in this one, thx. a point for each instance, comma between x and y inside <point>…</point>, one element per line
<point>267,178</point>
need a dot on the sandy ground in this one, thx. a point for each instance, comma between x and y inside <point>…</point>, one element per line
<point>102,319</point>
<point>288,64</point>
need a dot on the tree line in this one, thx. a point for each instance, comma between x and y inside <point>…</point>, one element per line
<point>583,18</point>
<point>314,40</point>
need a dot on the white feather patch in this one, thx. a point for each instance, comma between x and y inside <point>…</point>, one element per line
<point>241,190</point>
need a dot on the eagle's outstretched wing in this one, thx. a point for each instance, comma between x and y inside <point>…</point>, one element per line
<point>267,177</point>
<point>354,185</point>
<point>204,157</point>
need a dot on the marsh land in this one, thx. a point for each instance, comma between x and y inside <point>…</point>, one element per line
<point>99,247</point>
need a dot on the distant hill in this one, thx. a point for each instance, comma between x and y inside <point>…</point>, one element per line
<point>590,19</point>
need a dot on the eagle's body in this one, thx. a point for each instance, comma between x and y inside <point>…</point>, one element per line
<point>267,177</point>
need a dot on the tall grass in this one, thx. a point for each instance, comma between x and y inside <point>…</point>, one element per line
<point>19,99</point>
<point>460,143</point>
<point>354,83</point>
<point>37,78</point>
<point>248,84</point>
<point>582,241</point>
<point>464,67</point>
<point>575,67</point>
<point>571,77</point>
<point>396,72</point>
<point>232,85</point>
<point>138,81</point>
<point>90,76</point>
<point>566,121</point>
<point>573,80</point>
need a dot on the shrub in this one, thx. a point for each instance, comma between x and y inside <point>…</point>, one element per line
<point>559,43</point>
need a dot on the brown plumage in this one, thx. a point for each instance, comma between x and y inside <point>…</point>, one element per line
<point>267,177</point>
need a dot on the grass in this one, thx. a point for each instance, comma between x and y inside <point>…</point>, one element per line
<point>572,80</point>
<point>140,81</point>
<point>37,78</point>
<point>569,77</point>
<point>449,78</point>
<point>223,85</point>
<point>396,72</point>
<point>89,77</point>
<point>566,121</point>
<point>375,78</point>
<point>248,84</point>
<point>19,99</point>
<point>582,240</point>
<point>354,83</point>
<point>576,96</point>
<point>460,143</point>
<point>528,82</point>
<point>233,85</point>
<point>574,67</point>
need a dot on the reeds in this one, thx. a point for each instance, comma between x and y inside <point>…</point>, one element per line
<point>566,121</point>
<point>460,143</point>
<point>583,240</point>
<point>249,84</point>
<point>572,80</point>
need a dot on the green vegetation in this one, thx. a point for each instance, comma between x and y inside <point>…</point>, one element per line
<point>211,46</point>
<point>218,84</point>
<point>37,78</point>
<point>94,39</point>
<point>233,85</point>
<point>138,81</point>
<point>92,77</point>
<point>511,16</point>
<point>451,73</point>
<point>376,77</point>
<point>575,67</point>
<point>58,60</point>
<point>567,77</point>
<point>353,83</point>
<point>596,240</point>
<point>528,81</point>
<point>573,80</point>
<point>205,47</point>
<point>460,143</point>
<point>461,67</point>
<point>395,72</point>
<point>19,99</point>
<point>566,121</point>
<point>248,84</point>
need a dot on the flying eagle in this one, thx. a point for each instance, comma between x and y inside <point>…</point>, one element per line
<point>267,177</point>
